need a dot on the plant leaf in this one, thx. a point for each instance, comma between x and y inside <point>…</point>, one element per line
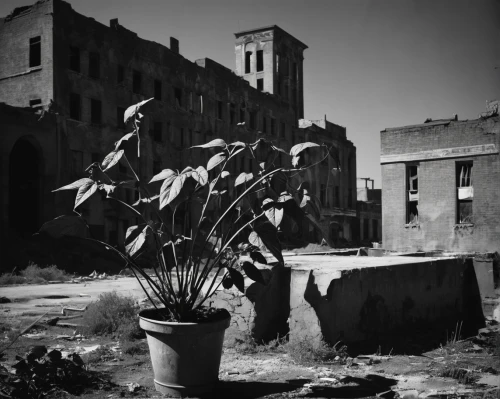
<point>164,174</point>
<point>295,161</point>
<point>273,213</point>
<point>224,174</point>
<point>254,239</point>
<point>284,197</point>
<point>238,144</point>
<point>133,109</point>
<point>268,235</point>
<point>201,175</point>
<point>227,283</point>
<point>135,239</point>
<point>217,159</point>
<point>126,137</point>
<point>75,184</point>
<point>66,225</point>
<point>253,273</point>
<point>176,188</point>
<point>258,257</point>
<point>237,278</point>
<point>298,148</point>
<point>213,143</point>
<point>243,178</point>
<point>111,159</point>
<point>85,192</point>
<point>109,188</point>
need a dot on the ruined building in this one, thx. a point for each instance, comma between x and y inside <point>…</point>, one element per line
<point>67,79</point>
<point>369,207</point>
<point>440,185</point>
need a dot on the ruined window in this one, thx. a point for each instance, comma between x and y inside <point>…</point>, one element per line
<point>157,132</point>
<point>260,60</point>
<point>294,96</point>
<point>286,66</point>
<point>273,126</point>
<point>253,119</point>
<point>375,229</point>
<point>248,61</point>
<point>366,229</point>
<point>232,113</point>
<point>349,197</point>
<point>412,194</point>
<point>277,63</point>
<point>190,101</point>
<point>242,114</point>
<point>322,194</point>
<point>35,51</point>
<point>178,96</point>
<point>181,138</point>
<point>295,72</point>
<point>74,59</point>
<point>120,74</point>
<point>337,196</point>
<point>157,90</point>
<point>282,130</point>
<point>219,109</point>
<point>465,192</point>
<point>260,84</point>
<point>95,111</point>
<point>94,65</point>
<point>36,103</point>
<point>190,137</point>
<point>285,93</point>
<point>120,115</point>
<point>264,124</point>
<point>136,82</point>
<point>75,106</point>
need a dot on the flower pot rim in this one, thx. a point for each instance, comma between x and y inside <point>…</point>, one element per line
<point>180,323</point>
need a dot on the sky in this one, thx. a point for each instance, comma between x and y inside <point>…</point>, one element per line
<point>370,64</point>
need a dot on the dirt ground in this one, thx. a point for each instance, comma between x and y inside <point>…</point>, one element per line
<point>471,366</point>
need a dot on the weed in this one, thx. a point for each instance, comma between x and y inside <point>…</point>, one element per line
<point>305,352</point>
<point>9,279</point>
<point>112,313</point>
<point>246,344</point>
<point>134,348</point>
<point>464,376</point>
<point>34,273</point>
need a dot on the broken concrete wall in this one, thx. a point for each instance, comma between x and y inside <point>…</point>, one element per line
<point>383,305</point>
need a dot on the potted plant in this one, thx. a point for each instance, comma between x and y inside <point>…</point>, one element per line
<point>191,258</point>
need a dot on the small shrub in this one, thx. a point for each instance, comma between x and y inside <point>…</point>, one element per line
<point>463,375</point>
<point>9,279</point>
<point>112,313</point>
<point>134,348</point>
<point>36,274</point>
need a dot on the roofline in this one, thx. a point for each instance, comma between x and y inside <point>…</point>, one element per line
<point>270,27</point>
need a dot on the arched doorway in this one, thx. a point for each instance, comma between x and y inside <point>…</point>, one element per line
<point>25,169</point>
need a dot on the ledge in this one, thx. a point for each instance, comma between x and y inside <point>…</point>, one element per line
<point>466,226</point>
<point>27,72</point>
<point>412,226</point>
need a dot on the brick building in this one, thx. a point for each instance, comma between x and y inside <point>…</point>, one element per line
<point>440,185</point>
<point>85,74</point>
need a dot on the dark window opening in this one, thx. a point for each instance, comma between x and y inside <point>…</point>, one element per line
<point>181,138</point>
<point>219,109</point>
<point>136,82</point>
<point>260,60</point>
<point>349,197</point>
<point>366,229</point>
<point>74,59</point>
<point>273,125</point>
<point>157,132</point>
<point>322,194</point>
<point>294,72</point>
<point>35,51</point>
<point>283,130</point>
<point>36,103</point>
<point>412,192</point>
<point>94,65</point>
<point>120,114</point>
<point>95,111</point>
<point>337,196</point>
<point>178,96</point>
<point>232,114</point>
<point>375,229</point>
<point>253,119</point>
<point>157,89</point>
<point>95,157</point>
<point>75,106</point>
<point>248,62</point>
<point>465,192</point>
<point>260,84</point>
<point>264,124</point>
<point>242,115</point>
<point>120,74</point>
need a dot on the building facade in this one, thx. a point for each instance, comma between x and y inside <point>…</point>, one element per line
<point>369,207</point>
<point>85,74</point>
<point>440,185</point>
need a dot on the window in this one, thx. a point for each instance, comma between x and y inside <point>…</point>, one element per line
<point>242,114</point>
<point>181,138</point>
<point>157,132</point>
<point>375,229</point>
<point>273,126</point>
<point>260,60</point>
<point>75,106</point>
<point>95,111</point>
<point>465,192</point>
<point>190,101</point>
<point>295,72</point>
<point>35,51</point>
<point>264,124</point>
<point>260,84</point>
<point>157,90</point>
<point>190,137</point>
<point>178,96</point>
<point>349,197</point>
<point>219,109</point>
<point>232,114</point>
<point>322,194</point>
<point>248,62</point>
<point>120,74</point>
<point>94,65</point>
<point>294,96</point>
<point>36,103</point>
<point>285,92</point>
<point>253,119</point>
<point>136,82</point>
<point>412,192</point>
<point>282,130</point>
<point>74,59</point>
<point>120,114</point>
<point>337,196</point>
<point>366,229</point>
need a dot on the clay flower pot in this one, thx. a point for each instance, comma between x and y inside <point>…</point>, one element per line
<point>185,356</point>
